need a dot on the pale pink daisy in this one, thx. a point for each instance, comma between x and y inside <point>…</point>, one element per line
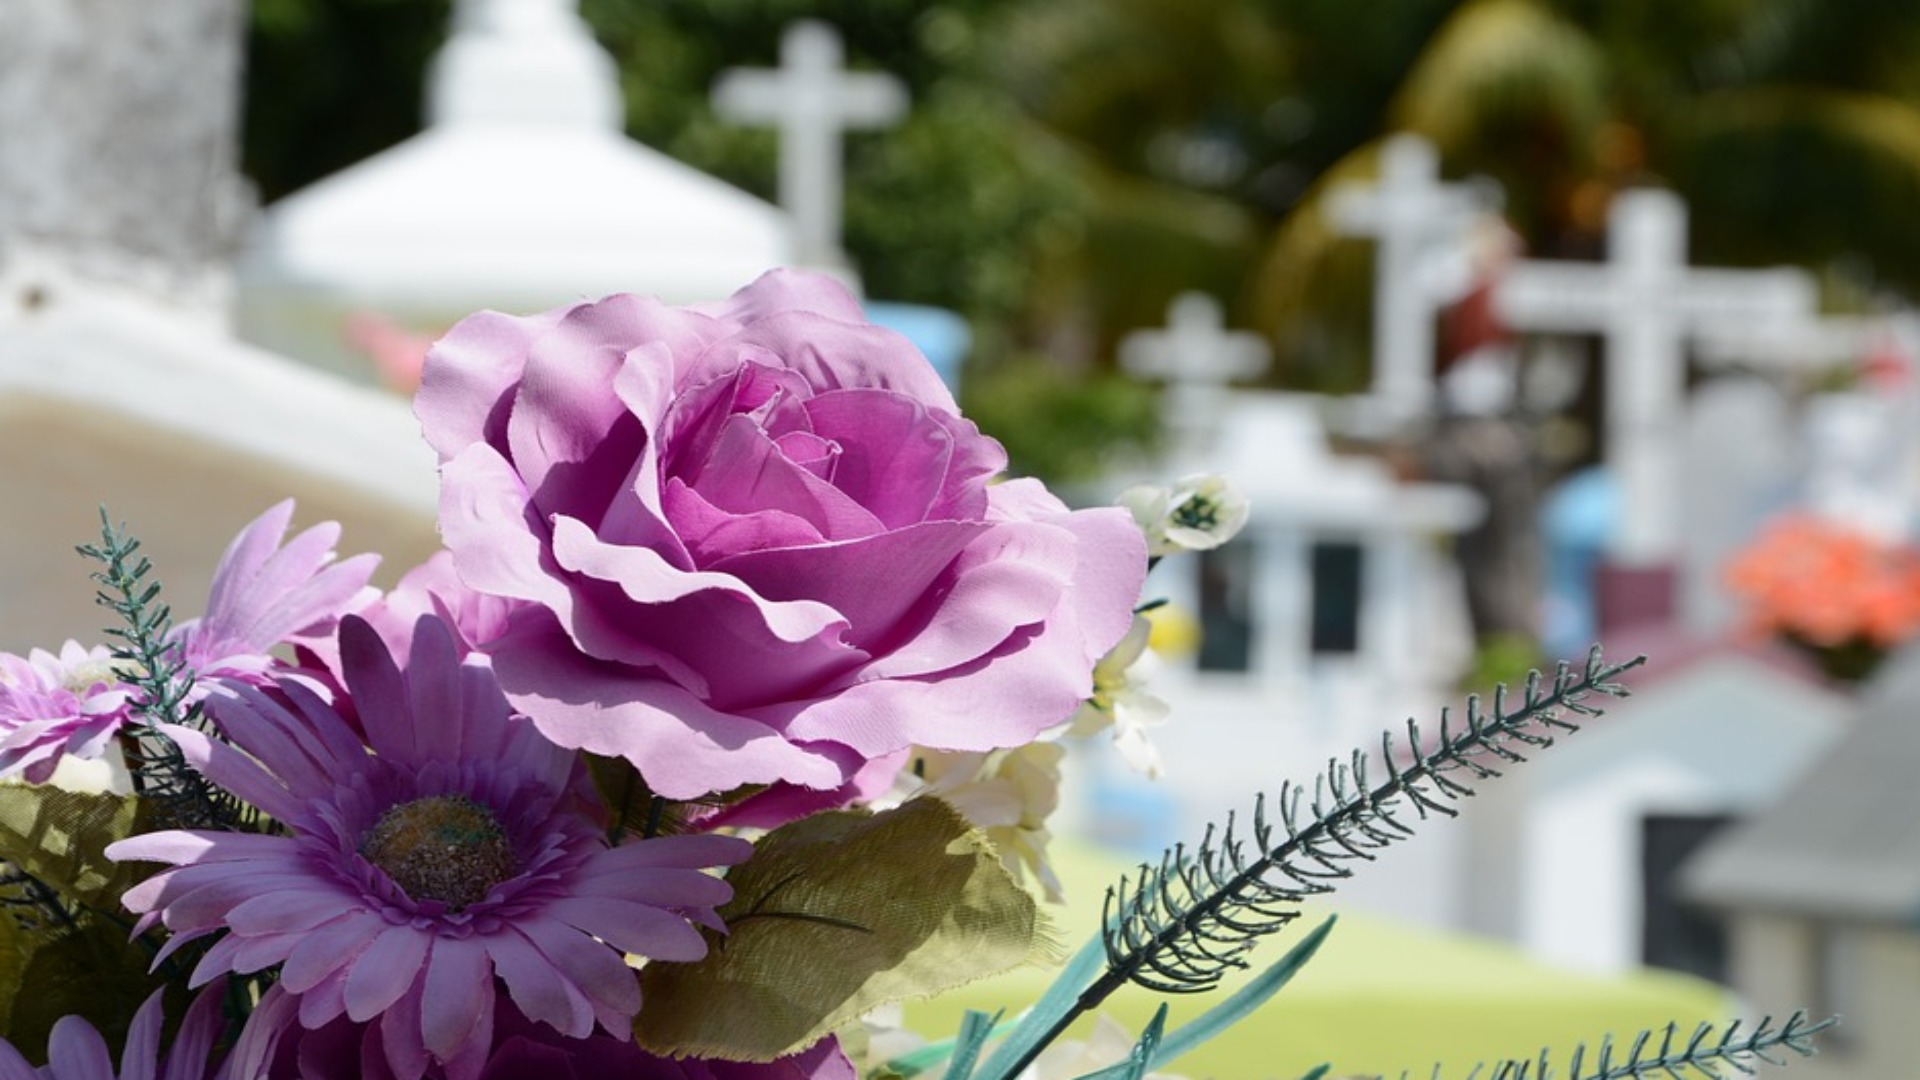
<point>75,1051</point>
<point>264,595</point>
<point>453,847</point>
<point>54,705</point>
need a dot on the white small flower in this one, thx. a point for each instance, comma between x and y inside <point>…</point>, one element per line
<point>1008,794</point>
<point>1199,513</point>
<point>1120,701</point>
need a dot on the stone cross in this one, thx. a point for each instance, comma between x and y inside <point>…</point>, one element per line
<point>811,98</point>
<point>1647,304</point>
<point>1197,356</point>
<point>1416,220</point>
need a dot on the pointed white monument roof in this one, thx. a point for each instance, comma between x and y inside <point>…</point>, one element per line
<point>521,193</point>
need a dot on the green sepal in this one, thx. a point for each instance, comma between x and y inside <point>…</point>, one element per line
<point>833,916</point>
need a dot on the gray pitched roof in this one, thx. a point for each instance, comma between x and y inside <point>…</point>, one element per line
<point>1844,842</point>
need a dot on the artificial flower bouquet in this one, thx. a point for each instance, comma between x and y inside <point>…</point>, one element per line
<point>727,716</point>
<point>1844,597</point>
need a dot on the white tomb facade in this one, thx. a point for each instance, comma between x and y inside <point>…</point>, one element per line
<point>521,194</point>
<point>1342,616</point>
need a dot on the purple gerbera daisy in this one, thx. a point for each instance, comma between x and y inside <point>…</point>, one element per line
<point>55,705</point>
<point>453,846</point>
<point>275,1045</point>
<point>75,1051</point>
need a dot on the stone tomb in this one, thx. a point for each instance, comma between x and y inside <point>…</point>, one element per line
<point>1327,620</point>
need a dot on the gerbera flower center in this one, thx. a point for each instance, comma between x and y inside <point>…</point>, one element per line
<point>446,848</point>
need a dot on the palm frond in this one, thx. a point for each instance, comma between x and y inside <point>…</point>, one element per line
<point>1182,926</point>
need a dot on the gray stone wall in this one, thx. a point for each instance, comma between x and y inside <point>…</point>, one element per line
<point>118,133</point>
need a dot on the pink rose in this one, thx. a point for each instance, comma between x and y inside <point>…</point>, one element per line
<point>755,541</point>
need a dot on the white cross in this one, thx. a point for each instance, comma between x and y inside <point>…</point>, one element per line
<point>1827,341</point>
<point>1647,303</point>
<point>1197,356</point>
<point>1417,221</point>
<point>811,99</point>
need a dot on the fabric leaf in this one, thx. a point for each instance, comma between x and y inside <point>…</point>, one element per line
<point>60,837</point>
<point>833,916</point>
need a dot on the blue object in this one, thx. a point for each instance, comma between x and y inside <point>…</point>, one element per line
<point>941,335</point>
<point>1577,519</point>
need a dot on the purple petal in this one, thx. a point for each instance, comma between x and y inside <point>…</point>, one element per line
<point>388,966</point>
<point>400,1037</point>
<point>140,1054</point>
<point>328,949</point>
<point>612,988</point>
<point>842,576</point>
<point>76,1050</point>
<point>458,990</point>
<point>288,910</point>
<point>539,990</point>
<point>193,1044</point>
<point>234,771</point>
<point>463,397</point>
<point>631,927</point>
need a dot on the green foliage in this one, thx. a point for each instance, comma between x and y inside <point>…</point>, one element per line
<point>62,934</point>
<point>834,916</point>
<point>92,972</point>
<point>1058,426</point>
<point>1503,658</point>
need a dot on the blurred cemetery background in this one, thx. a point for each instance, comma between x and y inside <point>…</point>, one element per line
<point>1525,324</point>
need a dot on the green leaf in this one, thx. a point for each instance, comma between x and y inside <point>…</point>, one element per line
<point>920,1059</point>
<point>833,916</point>
<point>1318,1071</point>
<point>1059,999</point>
<point>1245,1000</point>
<point>93,972</point>
<point>60,837</point>
<point>975,1028</point>
<point>1135,1065</point>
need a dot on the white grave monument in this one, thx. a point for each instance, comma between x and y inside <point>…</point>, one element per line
<point>521,194</point>
<point>1647,304</point>
<point>1197,357</point>
<point>1353,618</point>
<point>811,99</point>
<point>118,385</point>
<point>1421,227</point>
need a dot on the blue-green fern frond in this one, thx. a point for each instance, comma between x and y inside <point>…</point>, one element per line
<point>1181,926</point>
<point>1700,1057</point>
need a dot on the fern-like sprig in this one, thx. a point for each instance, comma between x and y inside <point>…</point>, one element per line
<point>1181,926</point>
<point>149,662</point>
<point>1704,1056</point>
